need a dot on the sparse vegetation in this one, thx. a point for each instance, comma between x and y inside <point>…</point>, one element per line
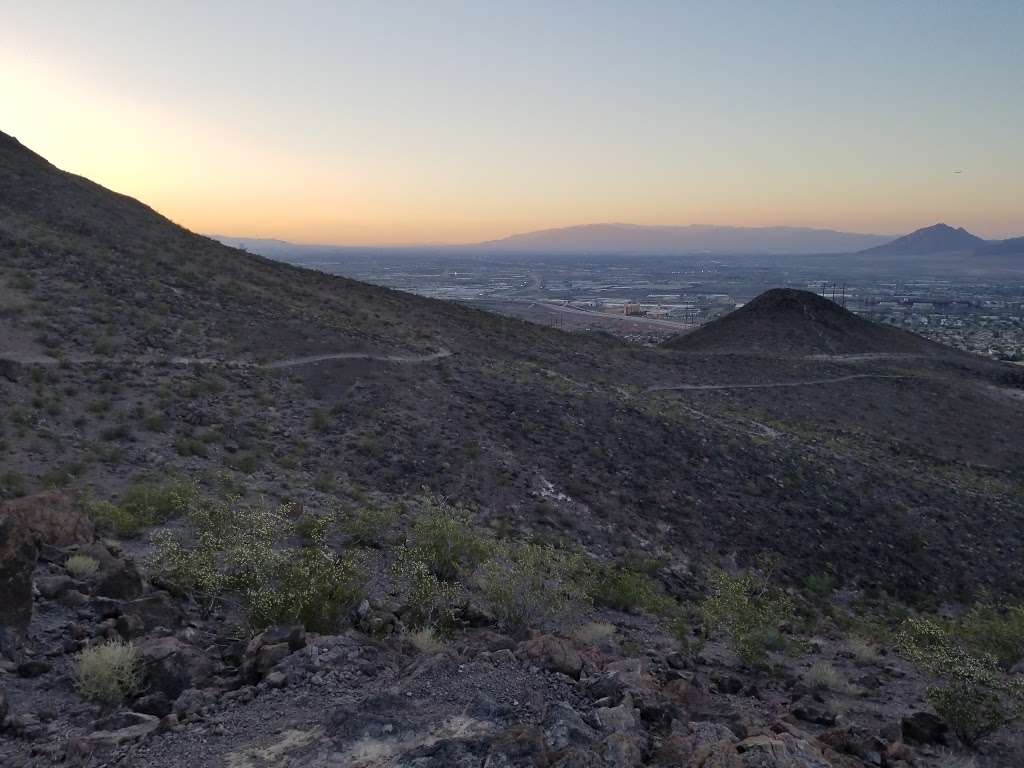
<point>240,548</point>
<point>822,676</point>
<point>526,584</point>
<point>108,672</point>
<point>971,692</point>
<point>368,526</point>
<point>443,538</point>
<point>81,566</point>
<point>748,611</point>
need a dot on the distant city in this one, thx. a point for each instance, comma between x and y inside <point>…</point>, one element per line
<point>647,299</point>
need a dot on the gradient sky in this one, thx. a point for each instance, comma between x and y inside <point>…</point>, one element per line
<point>387,122</point>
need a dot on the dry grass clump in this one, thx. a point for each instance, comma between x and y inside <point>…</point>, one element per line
<point>108,672</point>
<point>81,566</point>
<point>599,633</point>
<point>822,676</point>
<point>863,651</point>
<point>425,640</point>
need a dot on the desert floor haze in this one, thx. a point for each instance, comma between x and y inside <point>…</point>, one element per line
<point>256,514</point>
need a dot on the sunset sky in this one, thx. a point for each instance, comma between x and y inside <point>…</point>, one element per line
<point>385,122</point>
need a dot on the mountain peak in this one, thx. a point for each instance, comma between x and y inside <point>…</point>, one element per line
<point>938,238</point>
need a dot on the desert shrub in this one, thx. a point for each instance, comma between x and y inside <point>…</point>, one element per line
<point>113,519</point>
<point>822,676</point>
<point>624,589</point>
<point>820,585</point>
<point>368,526</point>
<point>81,566</point>
<point>443,538</point>
<point>525,584</point>
<point>231,547</point>
<point>189,446</point>
<point>107,672</point>
<point>431,602</point>
<point>12,485</point>
<point>748,611</point>
<point>425,640</point>
<point>143,505</point>
<point>158,502</point>
<point>989,629</point>
<point>310,586</point>
<point>862,650</point>
<point>971,691</point>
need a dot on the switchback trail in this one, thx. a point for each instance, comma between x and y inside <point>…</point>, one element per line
<point>777,384</point>
<point>290,362</point>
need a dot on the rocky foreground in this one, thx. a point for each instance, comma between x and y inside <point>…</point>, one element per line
<point>614,690</point>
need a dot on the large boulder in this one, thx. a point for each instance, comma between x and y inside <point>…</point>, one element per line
<point>553,654</point>
<point>18,551</point>
<point>172,666</point>
<point>50,518</point>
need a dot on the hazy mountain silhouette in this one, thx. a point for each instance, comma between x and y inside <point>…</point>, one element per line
<point>939,238</point>
<point>1010,246</point>
<point>658,240</point>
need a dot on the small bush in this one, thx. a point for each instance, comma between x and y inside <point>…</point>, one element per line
<point>158,502</point>
<point>238,548</point>
<point>598,633</point>
<point>114,519</point>
<point>81,566</point>
<point>425,640</point>
<point>822,676</point>
<point>972,693</point>
<point>108,672</point>
<point>431,602</point>
<point>12,485</point>
<point>748,611</point>
<point>526,584</point>
<point>863,651</point>
<point>369,526</point>
<point>988,629</point>
<point>628,590</point>
<point>443,538</point>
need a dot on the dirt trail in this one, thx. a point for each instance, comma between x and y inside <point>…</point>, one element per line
<point>290,362</point>
<point>777,384</point>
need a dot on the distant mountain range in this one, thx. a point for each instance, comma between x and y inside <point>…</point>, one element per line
<point>666,240</point>
<point>638,240</point>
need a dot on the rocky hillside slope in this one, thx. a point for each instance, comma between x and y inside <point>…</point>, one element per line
<point>237,467</point>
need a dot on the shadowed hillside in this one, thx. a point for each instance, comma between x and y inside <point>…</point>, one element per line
<point>791,322</point>
<point>939,238</point>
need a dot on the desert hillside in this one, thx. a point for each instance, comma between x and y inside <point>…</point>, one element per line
<point>343,525</point>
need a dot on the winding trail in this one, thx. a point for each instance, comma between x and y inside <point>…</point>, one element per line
<point>779,384</point>
<point>291,362</point>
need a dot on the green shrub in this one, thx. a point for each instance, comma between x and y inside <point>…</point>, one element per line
<point>822,676</point>
<point>431,602</point>
<point>748,611</point>
<point>230,547</point>
<point>971,691</point>
<point>143,505</point>
<point>625,589</point>
<point>12,485</point>
<point>158,502</point>
<point>443,538</point>
<point>309,586</point>
<point>526,584</point>
<point>113,519</point>
<point>81,566</point>
<point>369,525</point>
<point>988,629</point>
<point>108,672</point>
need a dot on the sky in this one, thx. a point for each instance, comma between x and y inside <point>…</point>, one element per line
<point>424,122</point>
